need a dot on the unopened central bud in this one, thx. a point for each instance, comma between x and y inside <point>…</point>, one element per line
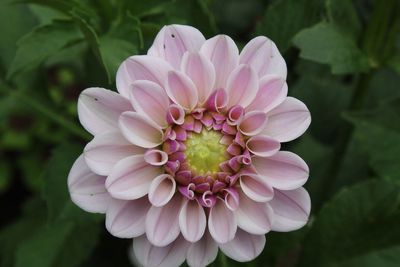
<point>204,152</point>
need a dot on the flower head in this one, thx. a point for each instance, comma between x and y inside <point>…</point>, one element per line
<point>186,156</point>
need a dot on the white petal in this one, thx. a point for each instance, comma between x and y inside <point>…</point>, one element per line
<point>161,190</point>
<point>221,222</point>
<point>192,220</point>
<point>203,252</point>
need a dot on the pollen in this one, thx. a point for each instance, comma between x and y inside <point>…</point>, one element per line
<point>204,152</point>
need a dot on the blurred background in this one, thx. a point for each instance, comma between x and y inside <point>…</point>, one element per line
<point>343,62</point>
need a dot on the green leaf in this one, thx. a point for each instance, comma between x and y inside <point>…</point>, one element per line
<point>284,18</point>
<point>324,43</point>
<point>343,15</point>
<point>41,43</point>
<point>352,228</point>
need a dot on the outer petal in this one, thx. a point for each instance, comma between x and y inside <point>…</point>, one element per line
<point>242,86</point>
<point>224,54</point>
<point>254,217</point>
<point>181,90</point>
<point>288,121</point>
<point>291,209</point>
<point>139,130</point>
<point>263,55</point>
<point>131,178</point>
<point>272,92</point>
<point>203,252</point>
<point>284,170</point>
<point>256,188</point>
<point>263,146</point>
<point>150,99</point>
<point>126,219</point>
<point>201,71</point>
<point>174,40</point>
<point>244,247</point>
<point>221,222</point>
<point>141,68</point>
<point>192,221</point>
<point>162,223</point>
<point>106,149</point>
<point>253,123</point>
<point>149,255</point>
<point>99,109</point>
<point>162,189</point>
<point>87,189</point>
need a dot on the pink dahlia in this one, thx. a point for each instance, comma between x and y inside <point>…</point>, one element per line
<point>186,156</point>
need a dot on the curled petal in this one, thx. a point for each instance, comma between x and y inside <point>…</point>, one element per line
<point>203,252</point>
<point>231,198</point>
<point>173,41</point>
<point>141,68</point>
<point>156,157</point>
<point>175,114</point>
<point>139,130</point>
<point>162,223</point>
<point>221,222</point>
<point>126,219</point>
<point>244,247</point>
<point>151,100</point>
<point>217,100</point>
<point>291,209</point>
<point>263,55</point>
<point>272,92</point>
<point>131,178</point>
<point>288,121</point>
<point>253,123</point>
<point>235,114</point>
<point>254,217</point>
<point>181,90</point>
<point>201,71</point>
<point>284,170</point>
<point>106,149</point>
<point>187,191</point>
<point>192,221</point>
<point>161,190</point>
<point>99,109</point>
<point>242,86</point>
<point>263,146</point>
<point>207,199</point>
<point>222,51</point>
<point>146,254</point>
<point>87,189</point>
<point>255,187</point>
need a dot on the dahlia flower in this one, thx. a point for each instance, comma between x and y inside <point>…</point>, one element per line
<point>186,157</point>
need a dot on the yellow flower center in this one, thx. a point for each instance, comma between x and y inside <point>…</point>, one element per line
<point>204,152</point>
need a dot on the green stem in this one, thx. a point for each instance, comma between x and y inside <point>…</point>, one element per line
<point>222,260</point>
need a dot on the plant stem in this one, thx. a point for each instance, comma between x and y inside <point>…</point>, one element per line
<point>222,260</point>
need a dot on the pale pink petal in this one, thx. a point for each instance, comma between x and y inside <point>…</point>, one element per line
<point>256,188</point>
<point>291,209</point>
<point>253,217</point>
<point>161,190</point>
<point>99,109</point>
<point>162,223</point>
<point>126,219</point>
<point>139,130</point>
<point>175,114</point>
<point>217,100</point>
<point>221,222</point>
<point>131,178</point>
<point>148,255</point>
<point>200,69</point>
<point>288,121</point>
<point>155,157</point>
<point>141,68</point>
<point>244,247</point>
<point>284,170</point>
<point>253,123</point>
<point>174,40</point>
<point>231,198</point>
<point>106,149</point>
<point>192,220</point>
<point>87,189</point>
<point>272,92</point>
<point>222,51</point>
<point>203,252</point>
<point>263,146</point>
<point>150,99</point>
<point>263,55</point>
<point>242,86</point>
<point>181,90</point>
